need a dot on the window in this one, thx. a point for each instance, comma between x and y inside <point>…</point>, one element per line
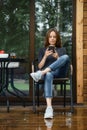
<point>54,14</point>
<point>14,37</point>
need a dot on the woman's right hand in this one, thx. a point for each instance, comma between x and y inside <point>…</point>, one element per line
<point>48,52</point>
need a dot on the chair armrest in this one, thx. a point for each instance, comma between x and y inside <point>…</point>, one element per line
<point>34,65</point>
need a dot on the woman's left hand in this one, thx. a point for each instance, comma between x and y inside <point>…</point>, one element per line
<point>55,55</point>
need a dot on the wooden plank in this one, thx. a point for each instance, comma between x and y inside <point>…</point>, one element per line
<point>79,53</point>
<point>85,14</point>
<point>85,7</point>
<point>85,92</point>
<point>81,1</point>
<point>85,1</point>
<point>85,52</point>
<point>85,20</point>
<point>85,36</point>
<point>85,45</point>
<point>85,99</point>
<point>85,28</point>
<point>85,74</point>
<point>85,83</point>
<point>85,59</point>
<point>85,67</point>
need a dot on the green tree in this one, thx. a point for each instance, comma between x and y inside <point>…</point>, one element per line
<point>53,13</point>
<point>14,26</point>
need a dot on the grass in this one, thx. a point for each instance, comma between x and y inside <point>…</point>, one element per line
<point>24,85</point>
<point>21,85</point>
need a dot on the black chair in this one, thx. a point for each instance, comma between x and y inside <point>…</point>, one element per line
<point>61,81</point>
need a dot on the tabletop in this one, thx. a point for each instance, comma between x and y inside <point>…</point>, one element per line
<point>12,59</point>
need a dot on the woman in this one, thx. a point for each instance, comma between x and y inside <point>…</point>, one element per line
<point>52,63</point>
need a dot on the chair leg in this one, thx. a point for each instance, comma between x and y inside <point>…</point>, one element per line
<point>37,94</point>
<point>34,106</point>
<point>61,91</point>
<point>64,94</point>
<point>71,92</point>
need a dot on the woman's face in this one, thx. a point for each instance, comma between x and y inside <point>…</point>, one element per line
<point>52,38</point>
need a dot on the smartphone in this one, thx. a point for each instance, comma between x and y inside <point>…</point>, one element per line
<point>51,48</point>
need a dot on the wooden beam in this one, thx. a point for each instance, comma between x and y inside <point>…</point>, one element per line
<point>79,50</point>
<point>81,0</point>
<point>32,41</point>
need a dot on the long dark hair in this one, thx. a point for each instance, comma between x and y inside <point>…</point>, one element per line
<point>58,41</point>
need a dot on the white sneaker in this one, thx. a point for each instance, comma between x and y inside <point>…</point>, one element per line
<point>36,75</point>
<point>48,113</point>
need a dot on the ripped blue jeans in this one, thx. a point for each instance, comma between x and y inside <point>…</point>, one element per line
<point>59,69</point>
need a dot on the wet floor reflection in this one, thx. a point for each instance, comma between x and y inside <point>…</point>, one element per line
<point>20,118</point>
<point>48,123</point>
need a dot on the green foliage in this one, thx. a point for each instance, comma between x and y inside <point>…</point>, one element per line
<point>14,26</point>
<point>14,23</point>
<point>53,14</point>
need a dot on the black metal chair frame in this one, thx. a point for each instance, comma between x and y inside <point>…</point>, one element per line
<point>56,81</point>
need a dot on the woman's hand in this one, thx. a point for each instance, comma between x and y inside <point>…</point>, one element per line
<point>55,55</point>
<point>48,52</point>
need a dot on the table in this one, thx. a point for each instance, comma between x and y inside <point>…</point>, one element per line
<point>4,79</point>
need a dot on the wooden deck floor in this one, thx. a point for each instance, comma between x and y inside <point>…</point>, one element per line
<point>23,118</point>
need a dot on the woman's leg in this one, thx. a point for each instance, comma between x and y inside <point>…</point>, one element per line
<point>49,102</point>
<point>60,62</point>
<point>48,95</point>
<point>48,81</point>
<point>63,71</point>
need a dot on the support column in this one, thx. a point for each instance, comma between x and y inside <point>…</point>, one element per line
<point>79,50</point>
<point>31,41</point>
